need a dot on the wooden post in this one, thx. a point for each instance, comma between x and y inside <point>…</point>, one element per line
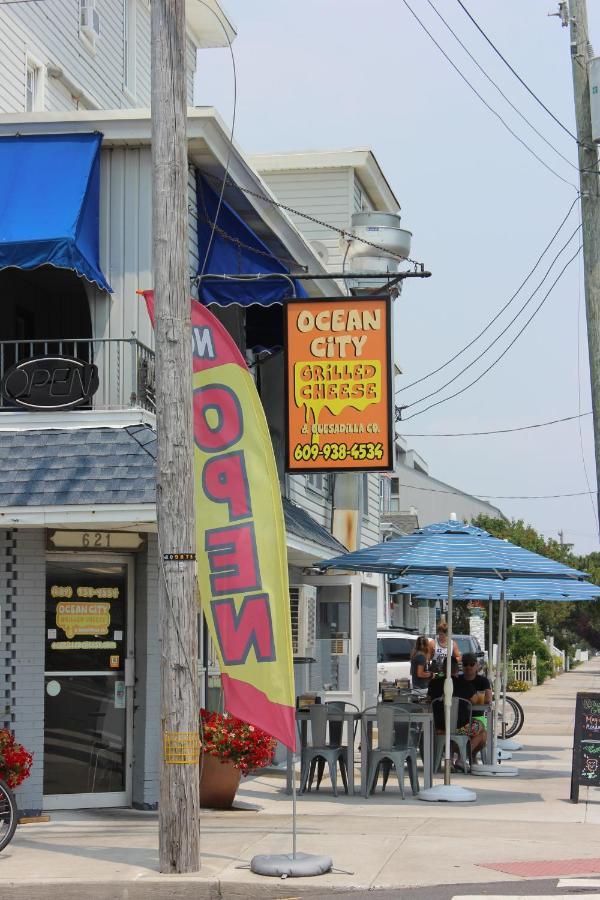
<point>179,805</point>
<point>590,204</point>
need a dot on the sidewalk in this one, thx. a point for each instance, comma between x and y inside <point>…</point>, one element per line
<point>384,842</point>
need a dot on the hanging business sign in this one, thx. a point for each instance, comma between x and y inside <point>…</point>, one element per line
<point>339,387</point>
<point>50,382</point>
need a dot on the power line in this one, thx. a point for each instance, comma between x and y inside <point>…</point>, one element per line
<point>498,336</point>
<point>499,313</point>
<point>483,100</point>
<point>290,209</point>
<point>505,351</point>
<point>499,89</point>
<point>516,74</point>
<point>496,430</point>
<point>414,487</point>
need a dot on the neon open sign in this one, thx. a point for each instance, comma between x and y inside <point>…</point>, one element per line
<point>50,382</point>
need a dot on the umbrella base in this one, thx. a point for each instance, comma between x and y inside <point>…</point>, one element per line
<point>495,769</point>
<point>507,744</point>
<point>286,865</point>
<point>447,793</point>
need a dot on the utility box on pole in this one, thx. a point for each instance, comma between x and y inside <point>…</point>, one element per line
<point>595,97</point>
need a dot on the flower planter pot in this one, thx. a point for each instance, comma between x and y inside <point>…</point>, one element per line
<point>218,782</point>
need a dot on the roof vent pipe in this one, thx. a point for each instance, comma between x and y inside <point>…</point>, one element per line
<point>378,247</point>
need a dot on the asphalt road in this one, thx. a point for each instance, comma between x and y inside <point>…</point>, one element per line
<point>531,888</point>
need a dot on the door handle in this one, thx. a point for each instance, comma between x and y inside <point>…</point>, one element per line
<point>358,661</point>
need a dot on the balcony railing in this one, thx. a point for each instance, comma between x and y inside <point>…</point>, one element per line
<point>125,368</point>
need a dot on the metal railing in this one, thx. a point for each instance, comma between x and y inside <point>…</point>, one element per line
<point>125,367</point>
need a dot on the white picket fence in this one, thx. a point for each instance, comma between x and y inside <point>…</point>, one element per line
<point>524,670</point>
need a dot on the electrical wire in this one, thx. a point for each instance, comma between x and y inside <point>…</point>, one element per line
<point>500,311</point>
<point>297,212</point>
<point>230,142</point>
<point>483,100</point>
<point>499,89</point>
<point>516,74</point>
<point>499,335</point>
<point>496,430</point>
<point>505,351</point>
<point>414,487</point>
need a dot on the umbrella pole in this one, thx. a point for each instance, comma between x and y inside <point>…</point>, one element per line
<point>504,672</point>
<point>446,792</point>
<point>497,684</point>
<point>448,686</point>
<point>491,641</point>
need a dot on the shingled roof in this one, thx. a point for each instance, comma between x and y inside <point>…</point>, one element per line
<point>98,466</point>
<point>77,466</point>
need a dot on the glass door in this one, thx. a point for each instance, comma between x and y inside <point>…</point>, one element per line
<point>88,668</point>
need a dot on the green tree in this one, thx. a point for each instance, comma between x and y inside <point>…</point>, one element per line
<point>570,623</point>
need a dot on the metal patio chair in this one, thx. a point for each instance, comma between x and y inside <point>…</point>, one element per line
<point>319,748</point>
<point>396,745</point>
<point>336,732</point>
<point>461,741</point>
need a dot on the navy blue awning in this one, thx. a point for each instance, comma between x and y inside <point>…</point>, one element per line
<point>49,203</point>
<point>236,250</point>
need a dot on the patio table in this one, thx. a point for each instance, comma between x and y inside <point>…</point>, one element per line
<point>302,721</point>
<point>420,716</point>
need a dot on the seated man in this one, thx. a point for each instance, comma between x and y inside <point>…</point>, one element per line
<point>480,684</point>
<point>464,689</point>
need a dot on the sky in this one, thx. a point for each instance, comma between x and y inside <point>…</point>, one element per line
<point>338,74</point>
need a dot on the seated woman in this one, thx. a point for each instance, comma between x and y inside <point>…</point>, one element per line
<point>464,689</point>
<point>420,673</point>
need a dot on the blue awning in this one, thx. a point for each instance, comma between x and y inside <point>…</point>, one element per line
<point>49,203</point>
<point>236,250</point>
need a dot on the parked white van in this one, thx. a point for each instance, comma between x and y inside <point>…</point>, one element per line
<point>394,649</point>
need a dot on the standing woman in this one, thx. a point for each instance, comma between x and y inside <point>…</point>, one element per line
<point>439,646</point>
<point>419,665</point>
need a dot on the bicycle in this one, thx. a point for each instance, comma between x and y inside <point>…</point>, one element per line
<point>8,815</point>
<point>513,719</point>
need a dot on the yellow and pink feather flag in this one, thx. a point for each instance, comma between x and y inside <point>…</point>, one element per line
<point>240,534</point>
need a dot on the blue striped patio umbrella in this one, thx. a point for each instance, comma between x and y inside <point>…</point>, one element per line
<point>433,587</point>
<point>453,549</point>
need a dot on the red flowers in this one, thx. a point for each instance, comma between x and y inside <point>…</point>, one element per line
<point>15,761</point>
<point>228,738</point>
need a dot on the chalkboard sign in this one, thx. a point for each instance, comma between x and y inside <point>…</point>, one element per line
<point>585,768</point>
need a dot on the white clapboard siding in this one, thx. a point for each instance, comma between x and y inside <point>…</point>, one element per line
<point>12,65</point>
<point>369,531</point>
<point>325,195</point>
<point>51,31</point>
<point>361,198</point>
<point>126,242</point>
<point>316,505</point>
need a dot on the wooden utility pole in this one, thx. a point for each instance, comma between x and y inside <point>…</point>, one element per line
<point>179,805</point>
<point>590,205</point>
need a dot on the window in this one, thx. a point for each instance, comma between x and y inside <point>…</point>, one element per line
<point>89,22</point>
<point>394,495</point>
<point>394,649</point>
<point>318,482</point>
<point>129,31</point>
<point>34,86</point>
<point>365,496</point>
